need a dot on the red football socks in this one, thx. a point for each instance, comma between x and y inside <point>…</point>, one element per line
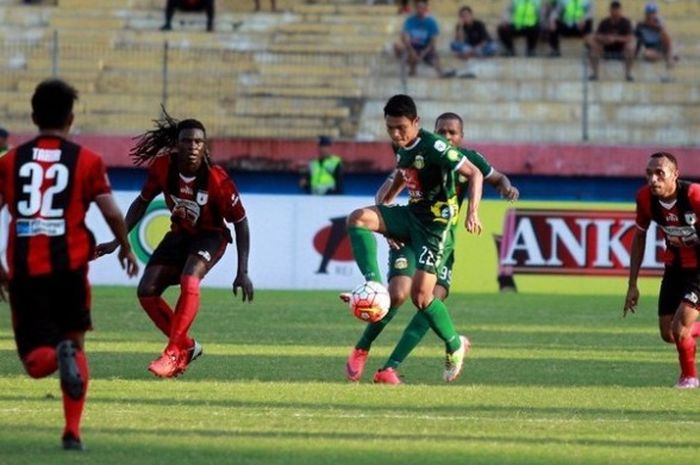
<point>40,362</point>
<point>686,357</point>
<point>185,312</point>
<point>158,311</point>
<point>73,409</point>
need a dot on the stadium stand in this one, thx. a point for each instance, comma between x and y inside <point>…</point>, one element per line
<point>325,67</point>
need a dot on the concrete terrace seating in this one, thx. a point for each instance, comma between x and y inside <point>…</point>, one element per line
<point>325,66</point>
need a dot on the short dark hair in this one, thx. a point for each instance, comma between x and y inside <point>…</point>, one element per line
<point>614,5</point>
<point>666,155</point>
<point>190,124</point>
<point>52,103</point>
<point>465,8</point>
<point>401,105</point>
<point>450,115</point>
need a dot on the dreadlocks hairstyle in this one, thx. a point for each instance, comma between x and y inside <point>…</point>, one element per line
<point>163,138</point>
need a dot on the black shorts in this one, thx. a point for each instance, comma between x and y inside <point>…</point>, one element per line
<point>45,308</point>
<point>679,285</point>
<point>177,246</point>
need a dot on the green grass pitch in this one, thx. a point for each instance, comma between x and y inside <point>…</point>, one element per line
<point>550,380</point>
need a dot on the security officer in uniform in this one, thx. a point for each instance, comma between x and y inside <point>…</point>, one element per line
<point>325,175</point>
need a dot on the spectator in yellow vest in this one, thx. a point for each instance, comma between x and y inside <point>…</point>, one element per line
<point>325,175</point>
<point>521,18</point>
<point>569,18</point>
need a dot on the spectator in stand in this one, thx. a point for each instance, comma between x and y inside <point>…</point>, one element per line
<point>653,40</point>
<point>325,175</point>
<point>614,40</point>
<point>188,5</point>
<point>273,5</point>
<point>4,144</point>
<point>419,39</point>
<point>520,18</point>
<point>569,18</point>
<point>471,37</point>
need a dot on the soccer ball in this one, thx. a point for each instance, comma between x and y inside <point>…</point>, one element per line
<point>370,302</point>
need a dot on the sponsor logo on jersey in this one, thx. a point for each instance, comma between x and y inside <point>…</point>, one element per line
<point>202,197</point>
<point>691,297</point>
<point>40,226</point>
<point>186,190</point>
<point>671,218</point>
<point>419,162</point>
<point>453,155</point>
<point>440,146</point>
<point>205,255</point>
<point>401,263</point>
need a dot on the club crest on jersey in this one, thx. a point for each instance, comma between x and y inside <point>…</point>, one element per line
<point>690,218</point>
<point>401,263</point>
<point>202,197</point>
<point>419,162</point>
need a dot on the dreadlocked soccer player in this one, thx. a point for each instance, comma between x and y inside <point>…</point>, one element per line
<point>201,198</point>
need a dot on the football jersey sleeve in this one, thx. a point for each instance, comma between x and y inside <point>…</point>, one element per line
<point>152,187</point>
<point>479,161</point>
<point>643,208</point>
<point>97,179</point>
<point>694,197</point>
<point>229,199</point>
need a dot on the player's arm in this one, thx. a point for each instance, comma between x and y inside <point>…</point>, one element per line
<point>115,221</point>
<point>476,184</point>
<point>242,250</point>
<point>502,184</point>
<point>134,214</point>
<point>636,255</point>
<point>392,186</point>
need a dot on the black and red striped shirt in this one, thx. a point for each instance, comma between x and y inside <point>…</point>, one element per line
<point>200,203</point>
<point>48,185</point>
<point>677,220</point>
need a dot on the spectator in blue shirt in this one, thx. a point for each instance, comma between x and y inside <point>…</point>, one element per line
<point>418,40</point>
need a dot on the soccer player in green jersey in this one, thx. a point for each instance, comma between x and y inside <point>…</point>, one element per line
<point>402,263</point>
<point>428,166</point>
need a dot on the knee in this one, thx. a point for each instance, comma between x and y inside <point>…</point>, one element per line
<point>667,336</point>
<point>40,362</point>
<point>421,299</point>
<point>146,290</point>
<point>398,297</point>
<point>356,218</point>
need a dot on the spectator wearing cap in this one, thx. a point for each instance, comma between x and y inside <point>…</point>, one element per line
<point>4,144</point>
<point>325,173</point>
<point>613,39</point>
<point>653,40</point>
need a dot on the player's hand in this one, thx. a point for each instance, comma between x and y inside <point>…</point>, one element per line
<point>128,262</point>
<point>394,244</point>
<point>246,285</point>
<point>4,281</point>
<point>631,300</point>
<point>105,248</point>
<point>511,194</point>
<point>473,224</point>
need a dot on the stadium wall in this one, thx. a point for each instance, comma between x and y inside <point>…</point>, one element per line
<point>300,242</point>
<point>515,159</point>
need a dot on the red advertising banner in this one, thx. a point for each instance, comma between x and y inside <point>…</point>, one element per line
<point>574,242</point>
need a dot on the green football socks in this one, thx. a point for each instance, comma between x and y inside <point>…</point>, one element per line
<point>364,248</point>
<point>374,329</point>
<point>410,338</point>
<point>440,321</point>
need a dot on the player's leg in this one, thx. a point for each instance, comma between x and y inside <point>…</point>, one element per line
<point>204,251</point>
<point>683,329</point>
<point>401,269</point>
<point>419,326</point>
<point>362,224</point>
<point>163,270</point>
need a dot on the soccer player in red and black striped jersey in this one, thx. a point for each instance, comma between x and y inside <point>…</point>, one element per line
<point>202,198</point>
<point>48,184</point>
<point>675,206</point>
